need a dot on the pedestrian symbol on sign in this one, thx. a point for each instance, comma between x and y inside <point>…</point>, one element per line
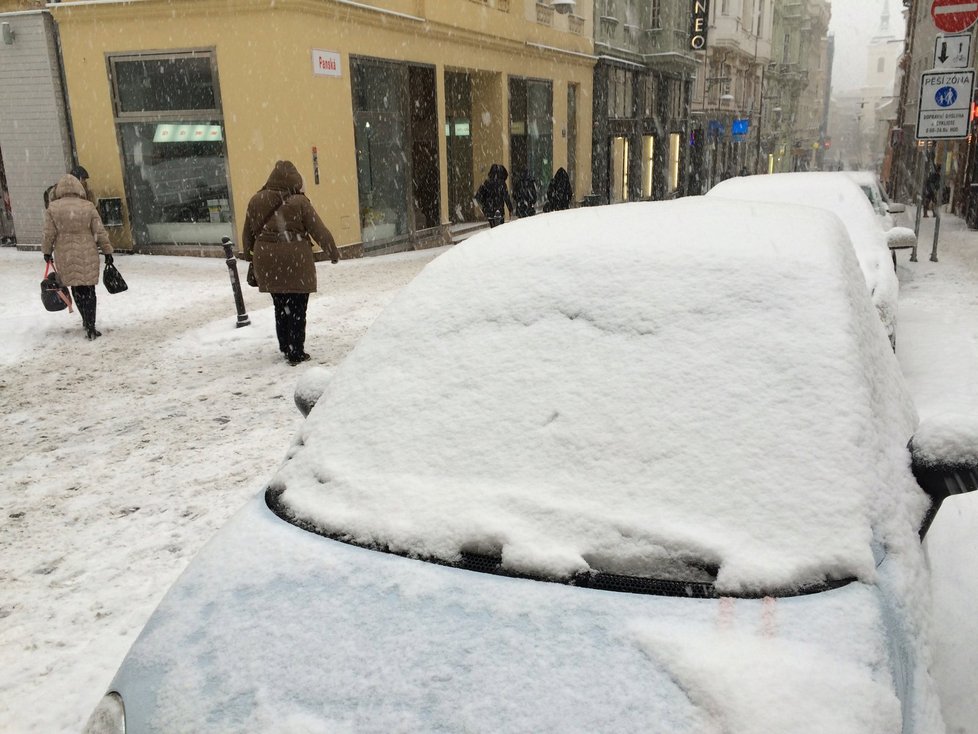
<point>946,96</point>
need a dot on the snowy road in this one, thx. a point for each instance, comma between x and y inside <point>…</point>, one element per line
<point>119,458</point>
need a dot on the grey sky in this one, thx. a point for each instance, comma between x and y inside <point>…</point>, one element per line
<point>853,23</point>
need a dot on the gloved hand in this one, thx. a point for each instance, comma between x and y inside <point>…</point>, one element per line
<point>108,259</point>
<point>48,259</point>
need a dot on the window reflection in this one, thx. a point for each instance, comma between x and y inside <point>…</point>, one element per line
<point>171,132</point>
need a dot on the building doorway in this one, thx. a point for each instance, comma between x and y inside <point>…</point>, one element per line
<point>7,235</point>
<point>458,137</point>
<point>531,137</point>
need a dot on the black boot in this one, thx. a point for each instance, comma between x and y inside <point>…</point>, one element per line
<point>91,332</point>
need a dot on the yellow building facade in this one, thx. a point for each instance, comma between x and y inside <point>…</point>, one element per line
<point>393,110</point>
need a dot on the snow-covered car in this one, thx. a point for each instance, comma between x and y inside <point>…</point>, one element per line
<point>885,210</point>
<point>892,217</point>
<point>839,194</point>
<point>598,470</point>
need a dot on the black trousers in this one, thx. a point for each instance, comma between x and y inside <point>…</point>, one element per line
<point>290,322</point>
<point>84,296</point>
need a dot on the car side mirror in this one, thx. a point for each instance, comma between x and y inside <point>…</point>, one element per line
<point>310,387</point>
<point>896,208</point>
<point>900,237</point>
<point>944,453</point>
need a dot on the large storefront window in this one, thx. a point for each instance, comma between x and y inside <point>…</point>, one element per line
<point>396,131</point>
<point>171,131</point>
<point>619,169</point>
<point>531,136</point>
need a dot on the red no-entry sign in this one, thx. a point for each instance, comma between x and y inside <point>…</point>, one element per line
<point>954,16</point>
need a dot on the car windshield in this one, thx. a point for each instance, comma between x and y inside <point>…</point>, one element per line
<point>643,389</point>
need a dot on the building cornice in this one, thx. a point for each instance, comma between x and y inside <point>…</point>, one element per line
<point>350,10</point>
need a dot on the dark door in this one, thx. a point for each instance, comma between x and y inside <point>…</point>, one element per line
<point>423,110</point>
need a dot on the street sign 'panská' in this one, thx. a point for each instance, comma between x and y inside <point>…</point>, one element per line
<point>954,16</point>
<point>944,112</point>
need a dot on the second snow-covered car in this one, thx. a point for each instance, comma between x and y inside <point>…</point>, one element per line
<point>839,194</point>
<point>615,469</point>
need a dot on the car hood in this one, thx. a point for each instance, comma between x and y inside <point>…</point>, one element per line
<point>272,628</point>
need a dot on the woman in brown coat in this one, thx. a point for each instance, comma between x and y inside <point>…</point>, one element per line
<point>73,234</point>
<point>279,227</point>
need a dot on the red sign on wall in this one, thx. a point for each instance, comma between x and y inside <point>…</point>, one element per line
<point>954,16</point>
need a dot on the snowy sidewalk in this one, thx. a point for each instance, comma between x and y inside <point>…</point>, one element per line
<point>937,345</point>
<point>121,457</point>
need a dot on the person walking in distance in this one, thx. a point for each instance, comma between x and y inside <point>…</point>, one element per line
<point>279,229</point>
<point>493,195</point>
<point>559,193</point>
<point>525,195</point>
<point>931,185</point>
<point>73,234</point>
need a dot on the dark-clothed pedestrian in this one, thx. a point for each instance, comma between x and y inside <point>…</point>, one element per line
<point>279,229</point>
<point>559,193</point>
<point>73,234</point>
<point>493,195</point>
<point>931,186</point>
<point>525,195</point>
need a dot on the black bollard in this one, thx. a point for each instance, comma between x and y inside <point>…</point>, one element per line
<point>232,264</point>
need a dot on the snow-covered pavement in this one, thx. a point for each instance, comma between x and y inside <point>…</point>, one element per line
<point>937,345</point>
<point>120,457</point>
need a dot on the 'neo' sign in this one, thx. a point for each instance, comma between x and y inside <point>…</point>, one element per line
<point>698,24</point>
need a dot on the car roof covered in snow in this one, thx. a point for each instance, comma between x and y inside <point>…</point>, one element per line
<point>838,193</point>
<point>628,389</point>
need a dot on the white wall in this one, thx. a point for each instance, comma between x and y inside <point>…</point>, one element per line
<point>33,131</point>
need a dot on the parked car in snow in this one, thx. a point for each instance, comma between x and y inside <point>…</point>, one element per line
<point>839,194</point>
<point>892,217</point>
<point>870,184</point>
<point>626,468</point>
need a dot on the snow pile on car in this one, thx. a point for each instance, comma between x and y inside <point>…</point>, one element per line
<point>698,383</point>
<point>839,194</point>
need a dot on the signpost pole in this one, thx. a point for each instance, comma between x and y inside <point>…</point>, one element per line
<point>920,208</point>
<point>939,200</point>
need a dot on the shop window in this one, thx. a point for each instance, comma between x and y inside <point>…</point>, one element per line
<point>164,84</point>
<point>674,150</point>
<point>619,170</point>
<point>171,131</point>
<point>531,138</point>
<point>396,131</point>
<point>648,150</point>
<point>620,94</point>
<point>378,118</point>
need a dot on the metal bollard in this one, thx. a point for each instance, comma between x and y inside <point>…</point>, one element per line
<point>232,264</point>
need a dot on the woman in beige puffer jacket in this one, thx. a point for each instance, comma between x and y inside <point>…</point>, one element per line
<point>73,232</point>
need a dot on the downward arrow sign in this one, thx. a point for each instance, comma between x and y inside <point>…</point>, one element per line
<point>943,55</point>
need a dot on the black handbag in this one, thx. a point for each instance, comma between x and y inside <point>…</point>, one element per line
<point>112,279</point>
<point>250,277</point>
<point>54,296</point>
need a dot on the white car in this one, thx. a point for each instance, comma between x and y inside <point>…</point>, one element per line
<point>839,194</point>
<point>870,184</point>
<point>892,217</point>
<point>614,469</point>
